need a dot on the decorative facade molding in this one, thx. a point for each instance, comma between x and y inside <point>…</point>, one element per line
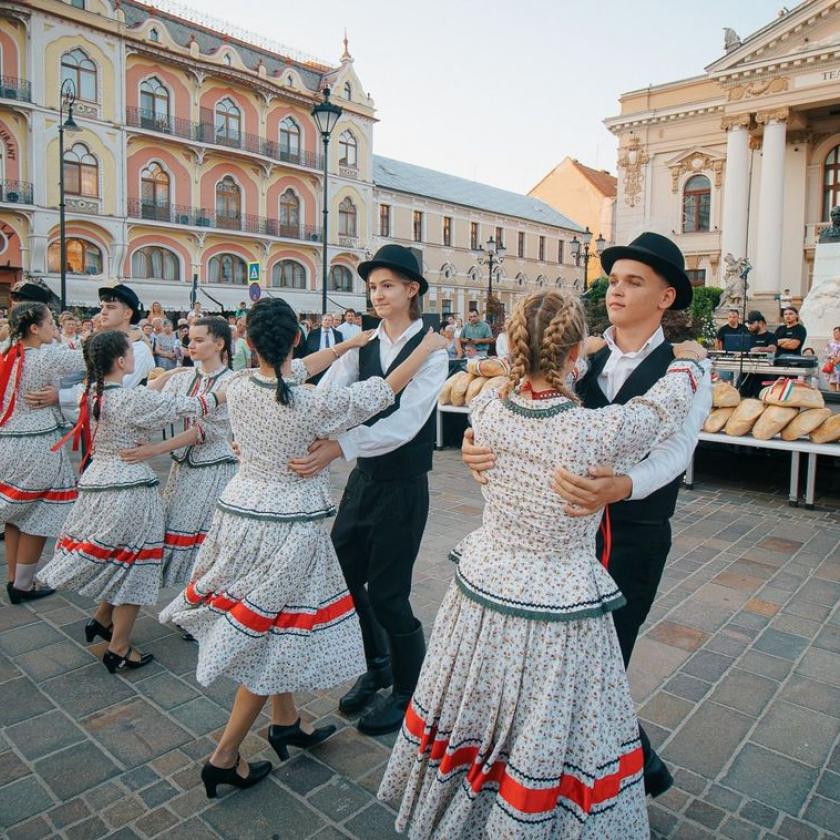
<point>695,163</point>
<point>765,87</point>
<point>736,121</point>
<point>773,115</point>
<point>632,159</point>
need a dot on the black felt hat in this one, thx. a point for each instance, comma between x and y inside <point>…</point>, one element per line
<point>662,255</point>
<point>125,295</point>
<point>31,292</point>
<point>397,258</point>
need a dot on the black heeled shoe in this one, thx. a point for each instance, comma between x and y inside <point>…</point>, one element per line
<point>114,662</point>
<point>18,596</point>
<point>283,737</point>
<point>93,629</point>
<point>213,776</point>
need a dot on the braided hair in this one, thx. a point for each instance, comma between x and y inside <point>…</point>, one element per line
<point>542,330</point>
<point>218,328</point>
<point>101,351</point>
<point>26,315</point>
<point>272,327</point>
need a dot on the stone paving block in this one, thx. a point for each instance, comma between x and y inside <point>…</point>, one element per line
<point>22,799</point>
<point>69,813</point>
<point>691,831</point>
<point>44,734</point>
<point>749,621</point>
<point>829,638</point>
<point>796,830</point>
<point>375,821</point>
<point>746,692</point>
<point>812,695</point>
<point>773,779</point>
<point>193,829</point>
<point>170,762</point>
<point>200,716</point>
<point>156,822</point>
<point>11,768</point>
<point>189,803</point>
<point>796,625</point>
<point>723,798</point>
<point>824,813</point>
<point>330,833</point>
<point>20,699</point>
<point>33,829</point>
<point>761,607</point>
<point>824,592</point>
<point>52,660</point>
<point>729,642</point>
<point>737,829</point>
<point>90,829</point>
<point>662,822</point>
<point>101,797</point>
<point>86,690</point>
<point>339,799</point>
<point>666,709</point>
<point>8,671</point>
<point>783,645</point>
<point>708,666</point>
<point>678,635</point>
<point>687,687</point>
<point>691,782</point>
<point>166,690</point>
<point>31,637</point>
<point>806,609</point>
<point>139,778</point>
<point>771,667</point>
<point>303,774</point>
<point>705,813</point>
<point>350,753</point>
<point>200,748</point>
<point>135,732</point>
<point>822,665</point>
<point>783,546</point>
<point>177,658</point>
<point>371,781</point>
<point>75,769</point>
<point>758,813</point>
<point>157,794</point>
<point>19,617</point>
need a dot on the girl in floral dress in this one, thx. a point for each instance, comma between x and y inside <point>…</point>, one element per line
<point>832,354</point>
<point>111,548</point>
<point>37,486</point>
<point>522,723</point>
<point>267,602</point>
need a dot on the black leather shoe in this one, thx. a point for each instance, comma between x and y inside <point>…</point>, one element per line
<point>657,776</point>
<point>114,662</point>
<point>283,737</point>
<point>18,596</point>
<point>213,776</point>
<point>364,689</point>
<point>93,629</point>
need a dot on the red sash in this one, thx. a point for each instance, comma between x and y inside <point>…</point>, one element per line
<point>14,355</point>
<point>606,534</point>
<point>81,433</point>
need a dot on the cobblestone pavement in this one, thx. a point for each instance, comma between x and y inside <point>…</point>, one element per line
<point>737,679</point>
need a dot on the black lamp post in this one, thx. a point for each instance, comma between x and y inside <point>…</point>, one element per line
<point>67,97</point>
<point>583,253</point>
<point>494,254</point>
<point>326,115</point>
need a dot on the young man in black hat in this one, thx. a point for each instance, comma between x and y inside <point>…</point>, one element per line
<point>383,511</point>
<point>646,278</point>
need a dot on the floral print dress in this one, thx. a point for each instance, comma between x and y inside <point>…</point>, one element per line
<point>522,724</point>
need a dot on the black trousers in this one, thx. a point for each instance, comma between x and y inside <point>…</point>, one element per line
<point>377,535</point>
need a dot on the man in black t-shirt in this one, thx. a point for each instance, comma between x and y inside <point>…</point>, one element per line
<point>790,336</point>
<point>763,342</point>
<point>731,327</point>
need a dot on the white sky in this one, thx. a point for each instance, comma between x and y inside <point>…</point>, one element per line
<point>500,93</point>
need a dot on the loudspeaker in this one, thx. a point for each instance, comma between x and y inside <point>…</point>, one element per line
<point>431,319</point>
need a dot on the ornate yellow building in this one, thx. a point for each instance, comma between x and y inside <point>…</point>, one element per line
<point>743,159</point>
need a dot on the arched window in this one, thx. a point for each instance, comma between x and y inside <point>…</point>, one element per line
<point>76,66</point>
<point>347,149</point>
<point>289,140</point>
<point>472,274</point>
<point>831,181</point>
<point>228,204</point>
<point>347,218</point>
<point>228,59</point>
<point>521,279</point>
<point>155,263</point>
<point>228,268</point>
<point>541,281</point>
<point>154,104</point>
<point>341,279</point>
<point>83,257</point>
<point>154,193</point>
<point>289,215</point>
<point>81,171</point>
<point>348,90</point>
<point>697,202</point>
<point>153,35</point>
<point>288,274</point>
<point>228,123</point>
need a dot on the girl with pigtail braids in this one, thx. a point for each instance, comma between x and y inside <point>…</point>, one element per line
<point>550,704</point>
<point>37,485</point>
<point>267,601</point>
<point>111,547</point>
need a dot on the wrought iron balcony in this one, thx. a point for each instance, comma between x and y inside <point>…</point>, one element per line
<point>14,88</point>
<point>15,192</point>
<point>178,214</point>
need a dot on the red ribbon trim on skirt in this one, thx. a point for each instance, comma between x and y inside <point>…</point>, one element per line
<point>183,540</point>
<point>16,494</point>
<point>259,623</point>
<point>526,800</point>
<point>119,554</point>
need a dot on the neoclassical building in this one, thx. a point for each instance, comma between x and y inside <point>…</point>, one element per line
<point>743,159</point>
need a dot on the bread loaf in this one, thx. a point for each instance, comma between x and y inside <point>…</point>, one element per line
<point>489,367</point>
<point>458,394</point>
<point>446,392</point>
<point>472,365</point>
<point>155,372</point>
<point>805,422</point>
<point>724,395</point>
<point>474,389</point>
<point>494,382</point>
<point>773,419</point>
<point>792,393</point>
<point>741,420</point>
<point>717,419</point>
<point>828,431</point>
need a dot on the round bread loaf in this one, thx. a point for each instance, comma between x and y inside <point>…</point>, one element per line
<point>717,419</point>
<point>773,419</point>
<point>742,419</point>
<point>724,395</point>
<point>805,422</point>
<point>828,431</point>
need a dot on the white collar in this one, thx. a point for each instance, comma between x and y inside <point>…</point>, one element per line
<point>412,330</point>
<point>649,346</point>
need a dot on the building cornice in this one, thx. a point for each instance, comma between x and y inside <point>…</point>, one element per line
<point>664,115</point>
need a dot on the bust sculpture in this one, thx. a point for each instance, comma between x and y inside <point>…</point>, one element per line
<point>832,232</point>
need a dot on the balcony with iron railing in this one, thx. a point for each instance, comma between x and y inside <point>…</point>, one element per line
<point>15,192</point>
<point>205,132</point>
<point>178,214</point>
<point>14,88</point>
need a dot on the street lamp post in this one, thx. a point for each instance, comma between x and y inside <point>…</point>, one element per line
<point>583,253</point>
<point>494,255</point>
<point>66,98</point>
<point>326,115</point>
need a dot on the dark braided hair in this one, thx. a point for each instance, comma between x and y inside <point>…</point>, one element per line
<point>272,327</point>
<point>218,328</point>
<point>24,316</point>
<point>101,351</point>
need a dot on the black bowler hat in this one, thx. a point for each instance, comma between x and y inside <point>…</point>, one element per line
<point>125,295</point>
<point>662,255</point>
<point>34,292</point>
<point>399,259</point>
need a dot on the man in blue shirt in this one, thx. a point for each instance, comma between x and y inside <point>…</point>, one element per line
<point>476,333</point>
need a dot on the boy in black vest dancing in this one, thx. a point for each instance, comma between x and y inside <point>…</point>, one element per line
<point>646,278</point>
<point>383,511</point>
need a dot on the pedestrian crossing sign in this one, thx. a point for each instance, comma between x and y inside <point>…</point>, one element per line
<point>253,272</point>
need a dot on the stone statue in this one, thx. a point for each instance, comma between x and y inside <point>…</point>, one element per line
<point>832,232</point>
<point>730,39</point>
<point>735,279</point>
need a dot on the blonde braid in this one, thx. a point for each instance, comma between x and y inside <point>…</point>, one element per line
<point>520,346</point>
<point>564,331</point>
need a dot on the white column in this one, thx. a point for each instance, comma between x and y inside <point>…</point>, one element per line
<point>736,190</point>
<point>767,277</point>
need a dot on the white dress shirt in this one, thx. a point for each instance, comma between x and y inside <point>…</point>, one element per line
<point>671,457</point>
<point>348,330</point>
<point>502,345</point>
<point>416,404</point>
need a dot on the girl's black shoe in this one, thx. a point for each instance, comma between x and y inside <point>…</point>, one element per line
<point>282,737</point>
<point>213,776</point>
<point>18,596</point>
<point>114,662</point>
<point>93,629</point>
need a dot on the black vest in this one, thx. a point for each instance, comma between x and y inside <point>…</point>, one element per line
<point>413,458</point>
<point>660,505</point>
